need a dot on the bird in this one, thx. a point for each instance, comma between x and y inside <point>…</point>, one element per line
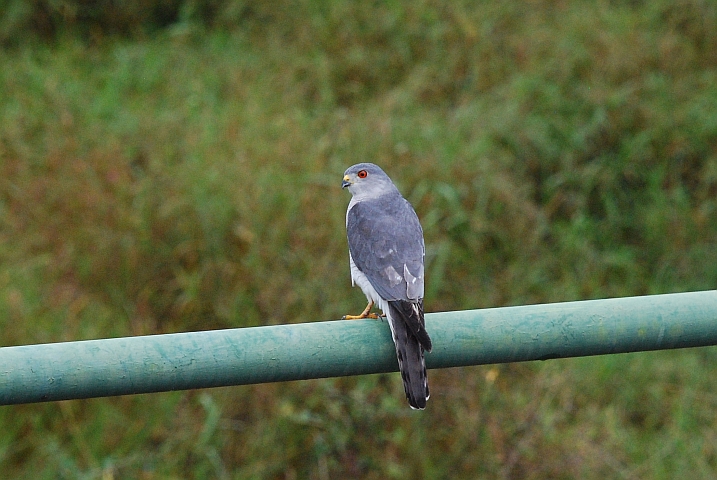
<point>386,256</point>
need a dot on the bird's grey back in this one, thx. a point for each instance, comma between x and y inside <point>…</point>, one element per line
<point>385,237</point>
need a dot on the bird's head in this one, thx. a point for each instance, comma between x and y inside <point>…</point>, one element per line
<point>367,180</point>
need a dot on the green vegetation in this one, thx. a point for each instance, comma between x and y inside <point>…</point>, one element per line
<point>186,177</point>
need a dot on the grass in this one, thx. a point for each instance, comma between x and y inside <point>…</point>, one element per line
<point>188,179</point>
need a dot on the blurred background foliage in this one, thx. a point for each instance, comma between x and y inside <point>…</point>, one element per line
<point>171,165</point>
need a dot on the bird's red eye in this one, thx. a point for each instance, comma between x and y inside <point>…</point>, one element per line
<point>362,174</point>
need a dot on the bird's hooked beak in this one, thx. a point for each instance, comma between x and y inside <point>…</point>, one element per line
<point>346,182</point>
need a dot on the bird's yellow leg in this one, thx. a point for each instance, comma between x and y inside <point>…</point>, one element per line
<point>364,314</point>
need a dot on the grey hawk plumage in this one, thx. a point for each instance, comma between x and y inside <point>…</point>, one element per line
<point>386,252</point>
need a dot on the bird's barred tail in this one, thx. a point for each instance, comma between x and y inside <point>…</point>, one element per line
<point>406,318</point>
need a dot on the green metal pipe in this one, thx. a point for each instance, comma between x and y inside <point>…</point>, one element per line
<point>155,363</point>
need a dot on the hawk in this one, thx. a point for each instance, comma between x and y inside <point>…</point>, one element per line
<point>386,252</point>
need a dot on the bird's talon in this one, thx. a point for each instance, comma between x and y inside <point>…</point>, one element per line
<point>363,314</point>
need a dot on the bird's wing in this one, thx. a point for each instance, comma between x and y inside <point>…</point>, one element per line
<point>386,243</point>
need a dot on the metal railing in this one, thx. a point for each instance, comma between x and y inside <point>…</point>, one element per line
<point>156,363</point>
